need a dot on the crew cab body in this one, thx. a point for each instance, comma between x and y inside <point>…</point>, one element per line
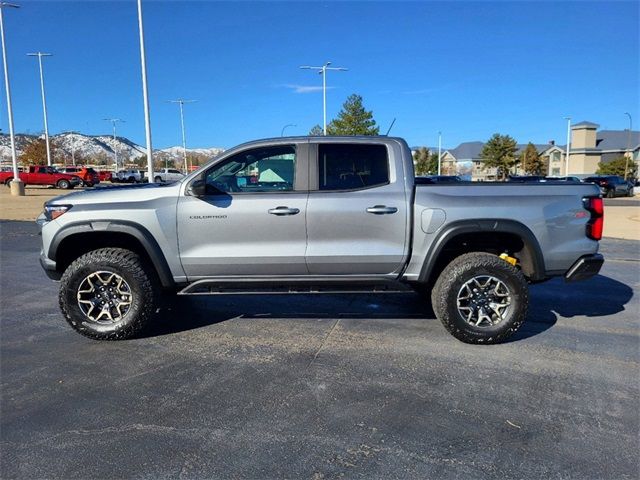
<point>43,175</point>
<point>168,175</point>
<point>309,214</point>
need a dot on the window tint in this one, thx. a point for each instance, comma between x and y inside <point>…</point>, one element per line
<point>173,171</point>
<point>352,166</point>
<point>268,169</point>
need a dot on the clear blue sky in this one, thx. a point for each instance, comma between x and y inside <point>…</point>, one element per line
<point>468,69</point>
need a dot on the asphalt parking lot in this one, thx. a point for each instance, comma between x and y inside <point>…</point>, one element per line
<point>321,386</point>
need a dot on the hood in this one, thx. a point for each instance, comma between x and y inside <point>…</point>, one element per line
<point>117,194</point>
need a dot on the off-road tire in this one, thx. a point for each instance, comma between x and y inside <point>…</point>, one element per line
<point>142,280</point>
<point>63,184</point>
<point>444,297</point>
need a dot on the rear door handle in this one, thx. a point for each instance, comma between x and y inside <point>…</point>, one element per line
<point>381,210</point>
<point>284,211</point>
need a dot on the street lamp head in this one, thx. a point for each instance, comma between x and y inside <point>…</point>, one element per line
<point>39,54</point>
<point>7,4</point>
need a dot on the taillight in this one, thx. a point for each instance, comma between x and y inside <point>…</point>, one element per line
<point>595,225</point>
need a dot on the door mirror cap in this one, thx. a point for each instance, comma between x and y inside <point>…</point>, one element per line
<point>197,188</point>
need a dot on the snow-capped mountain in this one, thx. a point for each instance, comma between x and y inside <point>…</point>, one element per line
<point>208,152</point>
<point>94,147</point>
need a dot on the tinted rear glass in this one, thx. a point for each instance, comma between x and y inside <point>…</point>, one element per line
<point>352,166</point>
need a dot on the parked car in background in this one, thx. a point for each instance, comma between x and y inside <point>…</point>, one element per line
<point>526,178</point>
<point>430,179</point>
<point>43,175</point>
<point>562,179</point>
<point>105,175</point>
<point>612,185</point>
<point>88,175</point>
<point>132,175</point>
<point>167,175</point>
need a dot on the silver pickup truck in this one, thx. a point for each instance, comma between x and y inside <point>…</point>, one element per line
<point>315,215</point>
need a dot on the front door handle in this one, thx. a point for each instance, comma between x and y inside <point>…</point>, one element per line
<point>284,211</point>
<point>381,210</point>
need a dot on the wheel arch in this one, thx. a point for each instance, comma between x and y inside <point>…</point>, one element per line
<point>484,235</point>
<point>76,239</point>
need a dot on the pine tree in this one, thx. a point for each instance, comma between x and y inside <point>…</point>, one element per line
<point>531,161</point>
<point>617,166</point>
<point>426,163</point>
<point>500,153</point>
<point>353,119</point>
<point>316,131</point>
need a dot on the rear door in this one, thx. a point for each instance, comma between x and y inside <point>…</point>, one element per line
<point>251,220</point>
<point>357,213</point>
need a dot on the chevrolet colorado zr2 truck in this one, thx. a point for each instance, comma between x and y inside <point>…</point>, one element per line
<point>315,215</point>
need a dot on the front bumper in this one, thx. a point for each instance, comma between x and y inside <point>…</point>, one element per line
<point>49,267</point>
<point>585,267</point>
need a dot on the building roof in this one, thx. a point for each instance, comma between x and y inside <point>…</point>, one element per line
<point>467,151</point>
<point>540,147</point>
<point>584,123</point>
<point>618,140</point>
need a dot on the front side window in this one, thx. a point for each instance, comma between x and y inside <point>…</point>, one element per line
<point>268,169</point>
<point>352,166</point>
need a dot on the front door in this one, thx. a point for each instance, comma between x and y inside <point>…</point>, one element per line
<point>251,219</point>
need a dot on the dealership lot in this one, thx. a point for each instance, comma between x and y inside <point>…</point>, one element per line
<point>320,386</point>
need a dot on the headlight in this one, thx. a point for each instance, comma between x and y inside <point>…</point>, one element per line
<point>51,212</point>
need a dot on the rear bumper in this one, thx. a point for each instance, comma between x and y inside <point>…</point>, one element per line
<point>585,267</point>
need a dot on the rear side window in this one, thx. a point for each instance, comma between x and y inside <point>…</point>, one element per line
<point>352,166</point>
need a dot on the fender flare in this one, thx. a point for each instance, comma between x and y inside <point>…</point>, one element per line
<point>135,230</point>
<point>489,225</point>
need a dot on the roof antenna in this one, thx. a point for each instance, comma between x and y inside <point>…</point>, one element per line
<point>390,127</point>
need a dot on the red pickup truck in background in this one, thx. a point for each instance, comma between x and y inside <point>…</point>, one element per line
<point>43,175</point>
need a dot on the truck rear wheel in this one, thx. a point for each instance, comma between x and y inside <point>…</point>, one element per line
<point>480,298</point>
<point>108,294</point>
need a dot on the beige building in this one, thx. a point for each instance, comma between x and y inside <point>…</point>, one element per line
<point>589,146</point>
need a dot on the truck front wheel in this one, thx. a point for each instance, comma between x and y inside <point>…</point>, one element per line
<point>480,298</point>
<point>108,294</point>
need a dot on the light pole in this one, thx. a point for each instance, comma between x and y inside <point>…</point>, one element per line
<point>566,166</point>
<point>44,101</point>
<point>285,127</point>
<point>145,96</point>
<point>181,102</point>
<point>439,152</point>
<point>17,187</point>
<point>73,147</point>
<point>626,165</point>
<point>115,139</point>
<point>323,71</point>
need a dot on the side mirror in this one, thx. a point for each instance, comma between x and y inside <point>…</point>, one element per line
<point>197,188</point>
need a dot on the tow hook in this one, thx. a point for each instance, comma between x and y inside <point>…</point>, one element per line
<point>513,261</point>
